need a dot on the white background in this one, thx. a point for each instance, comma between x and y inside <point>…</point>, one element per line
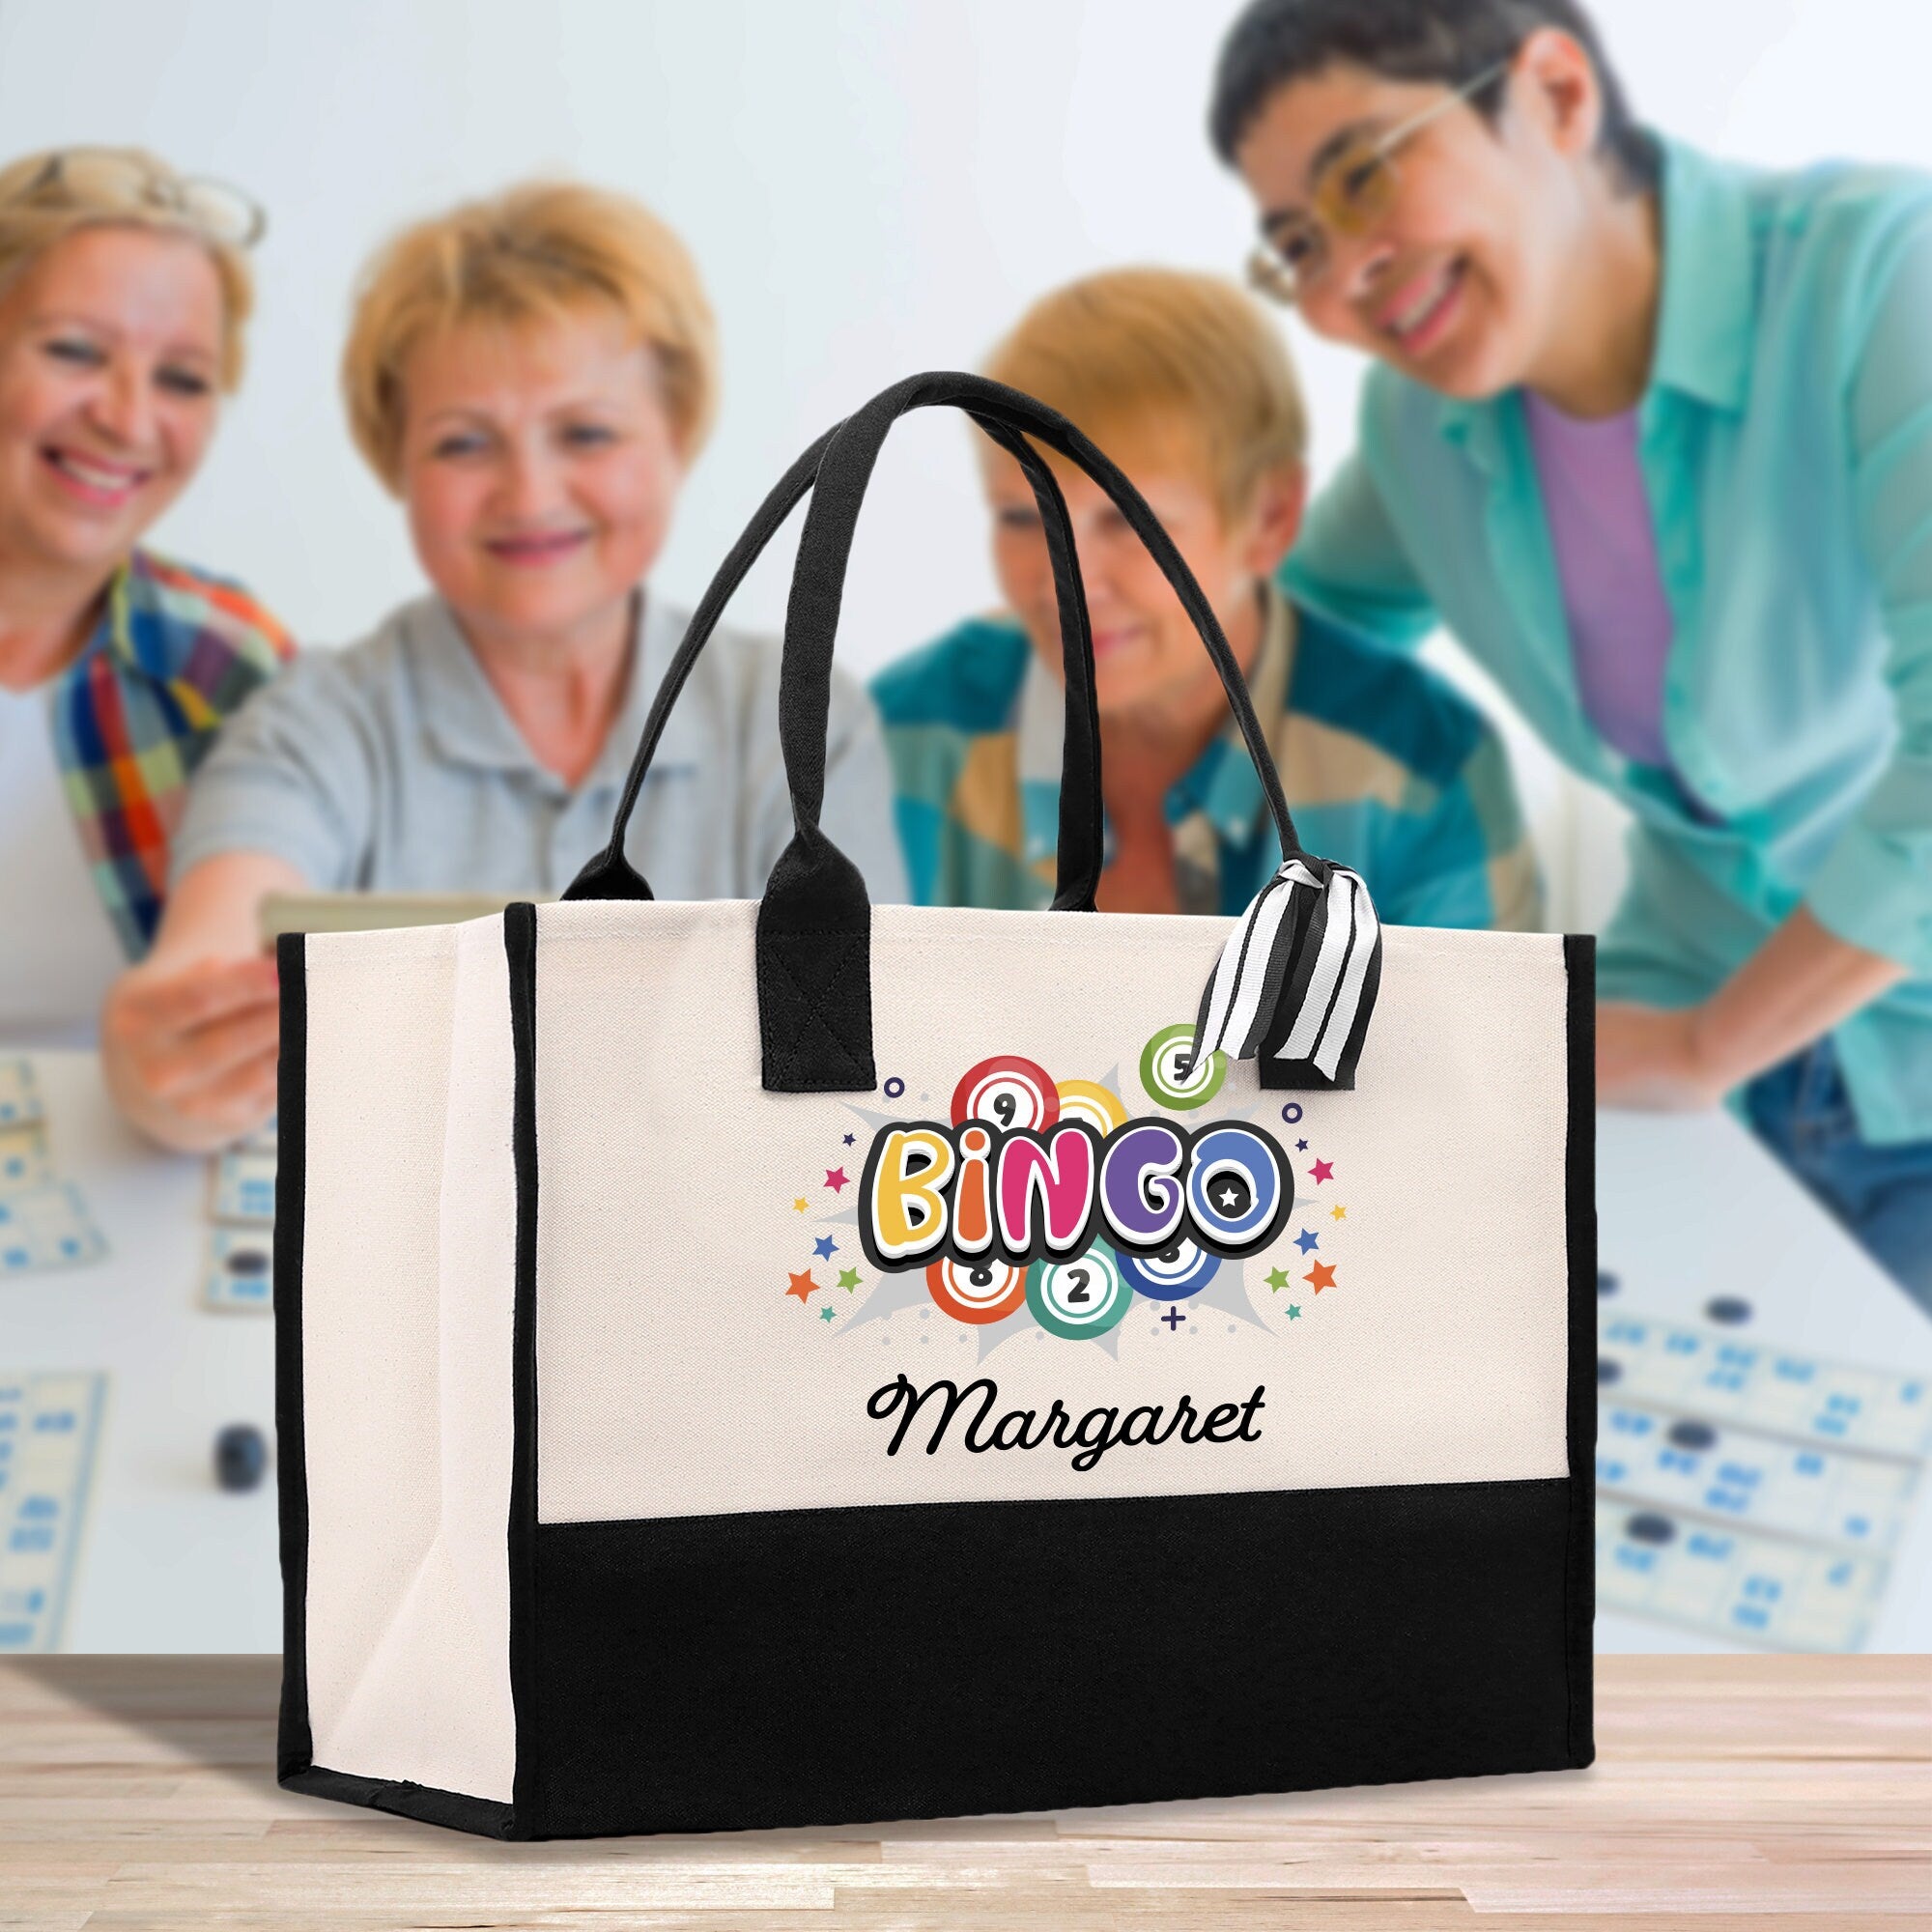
<point>870,187</point>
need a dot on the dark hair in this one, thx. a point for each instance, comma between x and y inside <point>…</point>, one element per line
<point>1275,41</point>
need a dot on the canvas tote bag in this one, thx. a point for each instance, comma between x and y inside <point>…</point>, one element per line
<point>797,1361</point>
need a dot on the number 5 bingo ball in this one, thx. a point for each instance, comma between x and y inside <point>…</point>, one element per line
<point>1161,1076</point>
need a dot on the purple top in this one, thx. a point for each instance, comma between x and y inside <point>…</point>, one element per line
<point>1600,528</point>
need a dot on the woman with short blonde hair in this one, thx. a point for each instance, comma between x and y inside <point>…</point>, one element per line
<point>531,254</point>
<point>1135,355</point>
<point>125,292</point>
<point>531,375</point>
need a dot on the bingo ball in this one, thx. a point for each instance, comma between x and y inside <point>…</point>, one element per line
<point>1161,1076</point>
<point>976,1292</point>
<point>1080,1298</point>
<point>1098,1106</point>
<point>1007,1093</point>
<point>1172,1274</point>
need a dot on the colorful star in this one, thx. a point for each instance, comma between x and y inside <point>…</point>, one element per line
<point>1338,1212</point>
<point>848,1140</point>
<point>802,1284</point>
<point>1322,1170</point>
<point>1293,1312</point>
<point>1301,1147</point>
<point>1277,1278</point>
<point>1321,1275</point>
<point>848,1279</point>
<point>835,1178</point>
<point>825,1247</point>
<point>799,1204</point>
<point>825,1315</point>
<point>1305,1241</point>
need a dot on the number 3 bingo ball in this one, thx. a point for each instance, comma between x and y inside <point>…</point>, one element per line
<point>976,1292</point>
<point>1007,1093</point>
<point>1080,1298</point>
<point>1172,1274</point>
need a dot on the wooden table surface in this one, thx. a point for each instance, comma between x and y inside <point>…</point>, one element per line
<point>1777,1793</point>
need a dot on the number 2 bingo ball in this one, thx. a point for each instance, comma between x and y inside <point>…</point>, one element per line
<point>1161,1070</point>
<point>1172,1274</point>
<point>1079,1298</point>
<point>977,1292</point>
<point>1006,1091</point>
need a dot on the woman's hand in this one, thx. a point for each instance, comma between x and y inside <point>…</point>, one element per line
<point>188,1037</point>
<point>189,1050</point>
<point>1651,1059</point>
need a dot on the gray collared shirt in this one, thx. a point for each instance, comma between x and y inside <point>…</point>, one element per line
<point>391,766</point>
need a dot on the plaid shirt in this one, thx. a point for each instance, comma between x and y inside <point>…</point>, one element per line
<point>1387,769</point>
<point>176,651</point>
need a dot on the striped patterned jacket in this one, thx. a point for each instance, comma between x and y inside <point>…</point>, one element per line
<point>1388,770</point>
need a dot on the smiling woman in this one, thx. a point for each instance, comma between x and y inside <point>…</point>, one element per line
<point>124,290</point>
<point>1651,433</point>
<point>532,375</point>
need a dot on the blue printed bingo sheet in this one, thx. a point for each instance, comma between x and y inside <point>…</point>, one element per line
<point>1737,1475</point>
<point>1709,1373</point>
<point>239,1273</point>
<point>241,1270</point>
<point>1749,1492</point>
<point>1732,1583</point>
<point>19,1095</point>
<point>23,1157</point>
<point>244,1186</point>
<point>50,1428</point>
<point>46,1226</point>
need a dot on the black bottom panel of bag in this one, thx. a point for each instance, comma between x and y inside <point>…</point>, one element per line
<point>823,1666</point>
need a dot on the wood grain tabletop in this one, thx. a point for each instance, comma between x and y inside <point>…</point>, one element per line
<point>1785,1794</point>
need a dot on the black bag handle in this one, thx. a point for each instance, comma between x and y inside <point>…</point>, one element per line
<point>814,920</point>
<point>608,874</point>
<point>813,615</point>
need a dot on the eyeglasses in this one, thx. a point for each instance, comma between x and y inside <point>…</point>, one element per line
<point>1351,195</point>
<point>105,177</point>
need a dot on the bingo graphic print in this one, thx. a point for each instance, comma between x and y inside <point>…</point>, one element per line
<point>1044,1205</point>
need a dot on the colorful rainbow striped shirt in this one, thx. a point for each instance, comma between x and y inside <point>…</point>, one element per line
<point>174,655</point>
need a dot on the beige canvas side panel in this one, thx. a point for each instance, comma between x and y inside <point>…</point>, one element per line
<point>712,1338</point>
<point>407,1295</point>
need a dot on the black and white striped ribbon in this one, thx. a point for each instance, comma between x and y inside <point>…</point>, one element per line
<point>1297,980</point>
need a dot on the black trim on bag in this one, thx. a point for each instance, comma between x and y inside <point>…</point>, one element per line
<point>1579,1197</point>
<point>294,1746</point>
<point>458,1810</point>
<point>520,941</point>
<point>296,1769</point>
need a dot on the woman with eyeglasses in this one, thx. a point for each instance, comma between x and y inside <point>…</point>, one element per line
<point>1651,435</point>
<point>124,291</point>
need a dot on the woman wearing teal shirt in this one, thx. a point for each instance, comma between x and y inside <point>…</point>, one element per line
<point>1652,434</point>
